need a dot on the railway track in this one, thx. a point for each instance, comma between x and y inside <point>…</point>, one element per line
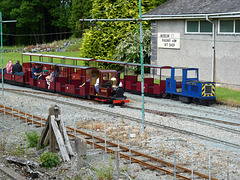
<point>162,113</point>
<point>149,123</point>
<point>214,110</point>
<point>158,112</point>
<point>149,161</point>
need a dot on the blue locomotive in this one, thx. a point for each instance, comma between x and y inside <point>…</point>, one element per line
<point>185,85</point>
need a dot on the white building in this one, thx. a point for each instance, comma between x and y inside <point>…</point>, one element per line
<point>198,33</point>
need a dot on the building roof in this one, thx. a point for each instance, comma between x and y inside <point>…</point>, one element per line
<point>196,7</point>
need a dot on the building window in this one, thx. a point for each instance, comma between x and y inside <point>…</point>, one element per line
<point>237,26</point>
<point>192,26</point>
<point>229,26</point>
<point>198,27</point>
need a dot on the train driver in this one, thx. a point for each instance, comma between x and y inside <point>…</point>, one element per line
<point>96,85</point>
<point>114,82</point>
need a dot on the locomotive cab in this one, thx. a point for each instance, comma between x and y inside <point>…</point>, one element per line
<point>104,87</point>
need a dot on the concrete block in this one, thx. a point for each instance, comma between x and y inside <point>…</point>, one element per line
<point>81,150</point>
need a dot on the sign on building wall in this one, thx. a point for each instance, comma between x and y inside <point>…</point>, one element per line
<point>169,40</point>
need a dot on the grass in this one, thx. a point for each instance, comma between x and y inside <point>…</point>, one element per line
<point>228,95</point>
<point>14,56</point>
<point>18,56</point>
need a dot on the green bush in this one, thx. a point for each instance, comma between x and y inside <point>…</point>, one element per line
<point>32,138</point>
<point>49,159</point>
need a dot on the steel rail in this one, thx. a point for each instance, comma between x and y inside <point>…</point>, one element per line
<point>110,151</point>
<point>136,153</point>
<point>146,122</point>
<point>185,115</point>
<point>212,112</point>
<point>146,110</point>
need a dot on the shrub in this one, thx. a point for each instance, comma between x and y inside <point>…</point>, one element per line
<point>49,159</point>
<point>32,138</point>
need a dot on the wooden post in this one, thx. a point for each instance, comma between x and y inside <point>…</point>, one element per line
<point>52,138</point>
<point>53,110</point>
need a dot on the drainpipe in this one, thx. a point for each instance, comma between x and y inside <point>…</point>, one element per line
<point>213,49</point>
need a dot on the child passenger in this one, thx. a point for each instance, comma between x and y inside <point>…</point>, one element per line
<point>52,76</point>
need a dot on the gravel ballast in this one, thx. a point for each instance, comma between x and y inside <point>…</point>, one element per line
<point>155,142</point>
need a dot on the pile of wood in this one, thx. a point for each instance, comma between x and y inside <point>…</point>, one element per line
<point>54,133</point>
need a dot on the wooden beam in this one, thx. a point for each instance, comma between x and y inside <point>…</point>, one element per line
<point>43,134</point>
<point>65,136</point>
<point>52,138</point>
<point>59,139</point>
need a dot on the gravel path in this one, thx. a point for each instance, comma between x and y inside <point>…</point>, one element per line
<point>154,142</point>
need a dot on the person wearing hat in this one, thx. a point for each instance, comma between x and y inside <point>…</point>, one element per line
<point>17,68</point>
<point>114,82</point>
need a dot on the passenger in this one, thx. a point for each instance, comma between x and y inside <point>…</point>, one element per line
<point>83,84</point>
<point>45,71</point>
<point>51,77</point>
<point>9,66</point>
<point>36,72</point>
<point>96,85</point>
<point>17,69</point>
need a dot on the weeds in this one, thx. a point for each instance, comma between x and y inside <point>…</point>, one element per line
<point>105,172</point>
<point>16,150</point>
<point>49,159</point>
<point>3,143</point>
<point>32,138</point>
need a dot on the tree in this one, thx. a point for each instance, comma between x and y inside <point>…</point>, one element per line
<point>101,41</point>
<point>28,17</point>
<point>36,17</point>
<point>60,14</point>
<point>6,7</point>
<point>129,48</point>
<point>79,9</point>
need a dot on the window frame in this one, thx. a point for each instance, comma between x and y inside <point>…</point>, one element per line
<point>234,26</point>
<point>198,32</point>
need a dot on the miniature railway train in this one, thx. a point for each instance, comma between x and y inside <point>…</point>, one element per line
<point>79,81</point>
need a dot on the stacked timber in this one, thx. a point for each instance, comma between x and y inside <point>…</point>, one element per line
<point>54,133</point>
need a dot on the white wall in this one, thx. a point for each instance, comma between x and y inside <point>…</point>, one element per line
<point>196,51</point>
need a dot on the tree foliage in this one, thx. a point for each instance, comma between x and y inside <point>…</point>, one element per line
<point>40,21</point>
<point>35,17</point>
<point>80,9</point>
<point>128,49</point>
<point>102,39</point>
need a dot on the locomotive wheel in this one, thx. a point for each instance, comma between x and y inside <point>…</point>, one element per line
<point>165,96</point>
<point>89,97</point>
<point>111,105</point>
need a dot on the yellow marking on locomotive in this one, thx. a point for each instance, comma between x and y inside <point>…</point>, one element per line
<point>208,94</point>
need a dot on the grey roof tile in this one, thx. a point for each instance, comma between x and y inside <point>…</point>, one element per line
<point>181,7</point>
